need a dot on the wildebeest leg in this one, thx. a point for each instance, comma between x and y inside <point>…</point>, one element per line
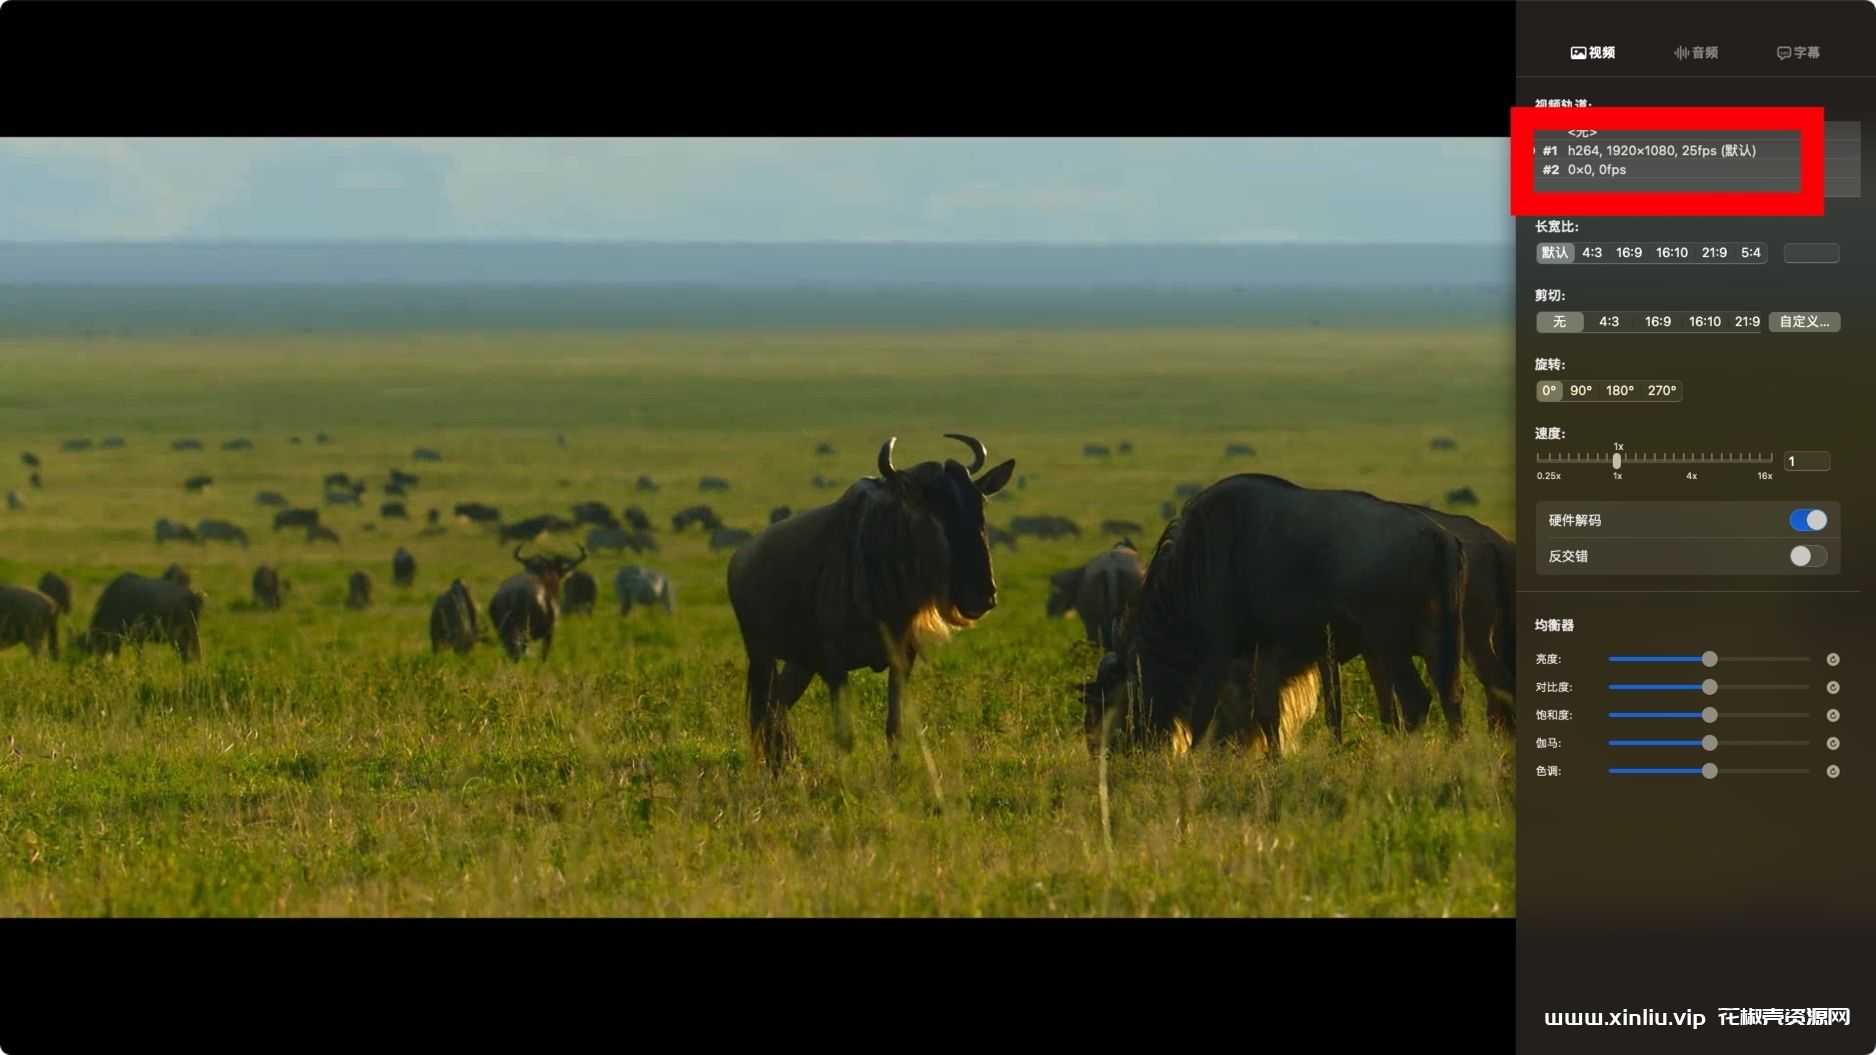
<point>1415,700</point>
<point>1215,701</point>
<point>1331,673</point>
<point>1266,690</point>
<point>768,724</point>
<point>896,680</point>
<point>547,643</point>
<point>1383,681</point>
<point>836,685</point>
<point>1495,678</point>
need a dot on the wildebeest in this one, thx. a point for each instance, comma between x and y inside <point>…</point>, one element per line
<point>824,448</point>
<point>169,531</point>
<point>1491,586</point>
<point>1126,447</point>
<point>358,591</point>
<point>433,516</point>
<point>1331,569</point>
<point>646,483</point>
<point>579,594</point>
<point>526,606</point>
<point>1094,450</point>
<point>728,538</point>
<point>295,440</point>
<point>1444,443</point>
<point>620,539</point>
<point>1188,490</point>
<point>1463,496</point>
<point>778,514</point>
<point>869,581</point>
<point>186,445</point>
<point>177,574</point>
<point>597,514</point>
<point>453,620</point>
<point>403,568</point>
<point>533,528</point>
<point>197,484</point>
<point>704,515</point>
<point>393,511</point>
<point>266,587</point>
<point>1044,527</point>
<point>239,443</point>
<point>322,439</point>
<point>821,482</point>
<point>14,504</point>
<point>221,531</point>
<point>403,479</point>
<point>33,479</point>
<point>999,537</point>
<point>713,483</point>
<point>642,586</point>
<point>477,513</point>
<point>425,454</point>
<point>112,443</point>
<point>134,610</point>
<point>54,586</point>
<point>75,446</point>
<point>338,481</point>
<point>321,533</point>
<point>1120,527</point>
<point>30,618</point>
<point>1238,450</point>
<point>637,518</point>
<point>393,488</point>
<point>341,498</point>
<point>296,518</point>
<point>29,459</point>
<point>270,498</point>
<point>1098,591</point>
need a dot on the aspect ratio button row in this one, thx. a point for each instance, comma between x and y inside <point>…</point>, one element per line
<point>1631,322</point>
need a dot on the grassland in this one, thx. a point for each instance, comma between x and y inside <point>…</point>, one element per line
<point>322,761</point>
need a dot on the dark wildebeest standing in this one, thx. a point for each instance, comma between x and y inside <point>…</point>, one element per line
<point>338,481</point>
<point>30,618</point>
<point>1491,586</point>
<point>579,594</point>
<point>403,568</point>
<point>609,538</point>
<point>1462,496</point>
<point>1098,591</point>
<point>221,531</point>
<point>704,515</point>
<point>29,459</point>
<point>134,610</point>
<point>358,591</point>
<point>33,479</point>
<point>637,518</point>
<point>169,531</point>
<point>1266,578</point>
<point>270,498</point>
<point>476,512</point>
<point>425,454</point>
<point>14,504</point>
<point>75,446</point>
<point>319,533</point>
<point>526,606</point>
<point>869,581</point>
<point>112,443</point>
<point>646,484</point>
<point>393,511</point>
<point>198,484</point>
<point>533,528</point>
<point>322,439</point>
<point>1094,450</point>
<point>1126,447</point>
<point>728,538</point>
<point>239,443</point>
<point>1238,450</point>
<point>296,518</point>
<point>595,514</point>
<point>453,620</point>
<point>267,587</point>
<point>186,445</point>
<point>778,514</point>
<point>54,586</point>
<point>1444,443</point>
<point>642,586</point>
<point>713,483</point>
<point>824,449</point>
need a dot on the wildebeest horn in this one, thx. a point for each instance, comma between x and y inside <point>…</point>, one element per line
<point>978,454</point>
<point>517,554</point>
<point>581,559</point>
<point>886,471</point>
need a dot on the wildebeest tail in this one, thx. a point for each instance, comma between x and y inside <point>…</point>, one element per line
<point>1452,565</point>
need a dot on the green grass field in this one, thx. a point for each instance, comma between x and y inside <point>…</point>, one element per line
<point>321,761</point>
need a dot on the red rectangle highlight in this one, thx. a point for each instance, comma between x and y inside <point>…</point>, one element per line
<point>1807,121</point>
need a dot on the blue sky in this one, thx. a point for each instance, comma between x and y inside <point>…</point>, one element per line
<point>758,190</point>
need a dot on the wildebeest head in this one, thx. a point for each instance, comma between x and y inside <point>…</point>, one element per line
<point>1062,587</point>
<point>550,568</point>
<point>953,506</point>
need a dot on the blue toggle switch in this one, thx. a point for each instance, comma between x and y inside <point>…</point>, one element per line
<point>1807,519</point>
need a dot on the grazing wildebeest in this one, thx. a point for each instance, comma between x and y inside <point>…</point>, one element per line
<point>1444,443</point>
<point>14,504</point>
<point>267,587</point>
<point>1188,490</point>
<point>358,591</point>
<point>177,574</point>
<point>38,484</point>
<point>30,618</point>
<point>1120,527</point>
<point>728,538</point>
<point>637,518</point>
<point>824,448</point>
<point>239,443</point>
<point>338,481</point>
<point>403,479</point>
<point>270,498</point>
<point>425,454</point>
<point>186,445</point>
<point>533,528</point>
<point>869,581</point>
<point>1126,447</point>
<point>1044,527</point>
<point>778,514</point>
<point>341,498</point>
<point>54,586</point>
<point>29,459</point>
<point>646,483</point>
<point>74,446</point>
<point>196,484</point>
<point>1214,626</point>
<point>608,539</point>
<point>642,586</point>
<point>597,514</point>
<point>221,531</point>
<point>403,568</point>
<point>1098,591</point>
<point>1463,496</point>
<point>393,511</point>
<point>453,620</point>
<point>322,439</point>
<point>169,531</point>
<point>579,594</point>
<point>134,610</point>
<point>112,443</point>
<point>394,489</point>
<point>1238,450</point>
<point>321,533</point>
<point>526,606</point>
<point>1094,450</point>
<point>713,483</point>
<point>477,513</point>
<point>1491,586</point>
<point>999,537</point>
<point>704,515</point>
<point>296,518</point>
